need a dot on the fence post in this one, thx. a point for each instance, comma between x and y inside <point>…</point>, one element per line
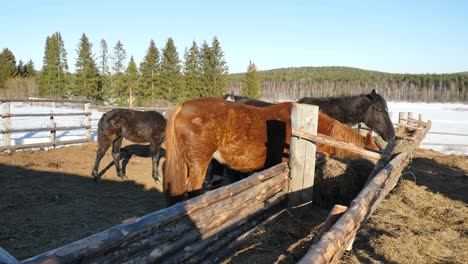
<point>88,121</point>
<point>53,132</point>
<point>6,125</point>
<point>302,154</point>
<point>401,117</point>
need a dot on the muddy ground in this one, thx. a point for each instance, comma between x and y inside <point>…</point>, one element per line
<point>48,199</point>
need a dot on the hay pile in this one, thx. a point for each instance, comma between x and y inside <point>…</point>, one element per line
<point>338,181</point>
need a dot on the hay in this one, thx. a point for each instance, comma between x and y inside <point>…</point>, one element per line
<point>338,181</point>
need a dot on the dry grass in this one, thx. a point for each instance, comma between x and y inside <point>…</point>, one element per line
<point>424,219</point>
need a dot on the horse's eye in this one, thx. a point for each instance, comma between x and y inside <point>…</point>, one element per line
<point>378,109</point>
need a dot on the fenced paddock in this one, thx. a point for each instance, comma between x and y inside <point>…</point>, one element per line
<point>203,228</point>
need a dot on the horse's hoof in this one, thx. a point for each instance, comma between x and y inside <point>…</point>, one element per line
<point>96,179</point>
<point>123,177</point>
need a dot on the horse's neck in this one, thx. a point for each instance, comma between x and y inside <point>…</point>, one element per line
<point>352,108</point>
<point>345,133</point>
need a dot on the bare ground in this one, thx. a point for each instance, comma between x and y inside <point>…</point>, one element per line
<point>48,199</point>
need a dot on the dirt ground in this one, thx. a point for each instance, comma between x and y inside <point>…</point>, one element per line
<point>48,199</point>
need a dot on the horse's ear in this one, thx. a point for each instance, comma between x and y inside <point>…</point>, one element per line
<point>373,93</point>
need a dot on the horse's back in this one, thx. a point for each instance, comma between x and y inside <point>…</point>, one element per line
<point>136,126</point>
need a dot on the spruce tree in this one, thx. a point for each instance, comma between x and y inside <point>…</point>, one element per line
<point>214,69</point>
<point>148,86</point>
<point>104,70</point>
<point>131,76</point>
<point>7,66</point>
<point>117,93</point>
<point>220,68</point>
<point>53,80</point>
<point>251,84</point>
<point>87,75</point>
<point>193,72</point>
<point>30,71</point>
<point>171,84</point>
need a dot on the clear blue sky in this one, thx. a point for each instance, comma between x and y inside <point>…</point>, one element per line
<point>391,36</point>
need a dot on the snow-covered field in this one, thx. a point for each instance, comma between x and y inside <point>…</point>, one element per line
<point>451,118</point>
<point>445,118</point>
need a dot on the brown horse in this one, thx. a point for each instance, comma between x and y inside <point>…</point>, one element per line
<point>244,137</point>
<point>333,128</point>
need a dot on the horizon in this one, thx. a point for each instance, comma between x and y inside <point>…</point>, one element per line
<point>419,37</point>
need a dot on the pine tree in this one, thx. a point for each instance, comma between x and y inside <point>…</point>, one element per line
<point>20,69</point>
<point>117,91</point>
<point>148,86</point>
<point>193,72</point>
<point>251,84</point>
<point>131,75</point>
<point>171,84</point>
<point>7,66</point>
<point>54,70</point>
<point>207,69</point>
<point>87,75</point>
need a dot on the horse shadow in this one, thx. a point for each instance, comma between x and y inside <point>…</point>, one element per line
<point>129,151</point>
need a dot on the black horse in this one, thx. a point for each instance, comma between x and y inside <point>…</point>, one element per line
<point>136,126</point>
<point>246,100</point>
<point>370,109</point>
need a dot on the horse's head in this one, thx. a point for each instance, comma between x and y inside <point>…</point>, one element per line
<point>377,118</point>
<point>229,96</point>
<point>369,141</point>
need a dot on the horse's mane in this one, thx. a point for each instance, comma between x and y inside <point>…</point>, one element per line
<point>340,131</point>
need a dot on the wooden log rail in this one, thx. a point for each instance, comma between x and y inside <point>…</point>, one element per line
<point>323,139</point>
<point>186,232</point>
<point>333,243</point>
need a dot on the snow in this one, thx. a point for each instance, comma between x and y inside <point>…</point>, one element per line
<point>445,118</point>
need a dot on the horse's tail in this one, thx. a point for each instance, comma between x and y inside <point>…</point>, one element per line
<point>175,172</point>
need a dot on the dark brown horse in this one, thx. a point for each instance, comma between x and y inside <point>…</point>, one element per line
<point>370,109</point>
<point>136,126</point>
<point>244,137</point>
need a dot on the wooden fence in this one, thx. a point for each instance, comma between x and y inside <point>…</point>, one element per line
<point>333,242</point>
<point>53,127</point>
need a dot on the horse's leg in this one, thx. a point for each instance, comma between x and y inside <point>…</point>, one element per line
<point>116,156</point>
<point>196,177</point>
<point>103,146</point>
<point>155,148</point>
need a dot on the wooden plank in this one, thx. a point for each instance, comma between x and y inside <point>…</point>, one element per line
<point>24,130</point>
<point>44,101</point>
<point>87,122</point>
<point>6,125</point>
<point>302,154</point>
<point>6,258</point>
<point>45,144</point>
<point>48,114</point>
<point>447,133</point>
<point>323,139</point>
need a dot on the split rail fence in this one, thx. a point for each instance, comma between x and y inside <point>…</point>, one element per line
<point>207,228</point>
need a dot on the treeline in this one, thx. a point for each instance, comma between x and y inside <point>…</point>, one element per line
<point>294,83</point>
<point>111,78</point>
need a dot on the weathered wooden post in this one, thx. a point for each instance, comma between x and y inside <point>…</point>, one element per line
<point>302,154</point>
<point>401,117</point>
<point>6,125</point>
<point>53,132</point>
<point>88,121</point>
